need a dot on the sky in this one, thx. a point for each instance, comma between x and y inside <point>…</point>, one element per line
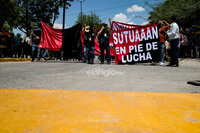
<point>127,11</point>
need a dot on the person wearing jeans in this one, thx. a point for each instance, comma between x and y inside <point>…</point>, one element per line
<point>162,53</point>
<point>35,52</point>
<point>90,54</point>
<point>85,54</point>
<point>108,58</point>
<point>34,42</point>
<point>45,53</point>
<point>162,35</point>
<point>89,43</point>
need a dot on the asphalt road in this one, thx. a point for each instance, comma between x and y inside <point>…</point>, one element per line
<point>74,75</point>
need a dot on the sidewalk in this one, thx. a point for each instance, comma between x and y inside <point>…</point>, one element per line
<point>78,111</point>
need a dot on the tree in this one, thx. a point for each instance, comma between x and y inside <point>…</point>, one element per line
<point>43,10</point>
<point>91,19</point>
<point>186,12</point>
<point>25,14</point>
<point>7,11</point>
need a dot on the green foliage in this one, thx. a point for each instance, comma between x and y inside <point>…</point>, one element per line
<point>91,19</point>
<point>186,12</point>
<point>6,27</point>
<point>7,11</point>
<point>25,14</point>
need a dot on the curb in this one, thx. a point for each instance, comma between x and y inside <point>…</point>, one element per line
<point>14,59</point>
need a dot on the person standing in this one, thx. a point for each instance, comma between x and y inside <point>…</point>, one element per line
<point>183,44</point>
<point>89,40</point>
<point>44,56</point>
<point>162,35</point>
<point>181,41</point>
<point>103,39</point>
<point>18,46</point>
<point>34,42</point>
<point>4,43</point>
<point>173,35</point>
<point>57,55</point>
<point>197,46</point>
<point>86,42</point>
<point>184,47</point>
<point>84,29</point>
<point>28,47</point>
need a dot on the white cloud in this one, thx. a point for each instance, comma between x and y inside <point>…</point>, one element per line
<point>122,18</point>
<point>131,23</point>
<point>135,8</point>
<point>58,26</point>
<point>145,23</point>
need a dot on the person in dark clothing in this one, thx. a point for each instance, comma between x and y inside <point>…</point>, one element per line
<point>18,46</point>
<point>34,42</point>
<point>89,43</point>
<point>103,39</point>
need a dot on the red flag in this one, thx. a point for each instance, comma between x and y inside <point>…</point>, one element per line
<point>51,38</point>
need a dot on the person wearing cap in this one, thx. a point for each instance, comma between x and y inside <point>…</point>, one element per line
<point>103,39</point>
<point>34,42</point>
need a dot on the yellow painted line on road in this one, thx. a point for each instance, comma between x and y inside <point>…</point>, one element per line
<point>78,111</point>
<point>14,59</point>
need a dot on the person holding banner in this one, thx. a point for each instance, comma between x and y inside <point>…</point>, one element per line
<point>173,34</point>
<point>89,43</point>
<point>162,34</point>
<point>34,43</point>
<point>103,39</point>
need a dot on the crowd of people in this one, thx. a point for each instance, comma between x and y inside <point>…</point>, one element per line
<point>174,42</point>
<point>16,46</point>
<point>12,45</point>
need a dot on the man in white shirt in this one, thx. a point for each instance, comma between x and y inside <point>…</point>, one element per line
<point>173,34</point>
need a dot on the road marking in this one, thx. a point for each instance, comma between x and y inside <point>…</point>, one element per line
<point>81,111</point>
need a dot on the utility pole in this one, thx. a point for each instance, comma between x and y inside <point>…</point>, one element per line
<point>64,14</point>
<point>81,1</point>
